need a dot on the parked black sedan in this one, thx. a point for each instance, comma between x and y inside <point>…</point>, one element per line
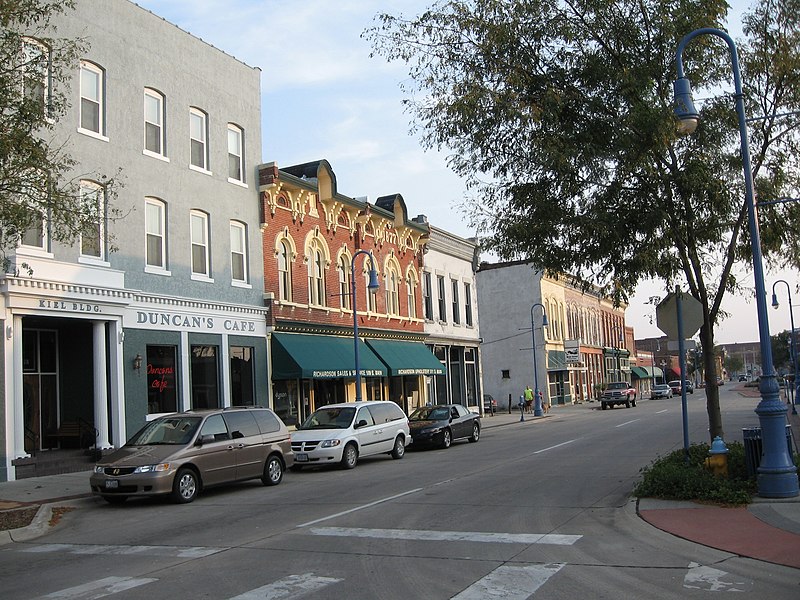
<point>441,424</point>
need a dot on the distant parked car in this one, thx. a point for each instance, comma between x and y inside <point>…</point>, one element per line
<point>742,377</point>
<point>489,404</point>
<point>442,424</point>
<point>676,386</point>
<point>660,390</point>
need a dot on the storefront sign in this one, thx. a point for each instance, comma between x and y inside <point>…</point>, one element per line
<point>146,319</point>
<point>69,306</point>
<point>572,352</point>
<point>334,374</point>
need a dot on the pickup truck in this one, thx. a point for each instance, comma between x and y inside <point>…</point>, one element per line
<point>618,392</point>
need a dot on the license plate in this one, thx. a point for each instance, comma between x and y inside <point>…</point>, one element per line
<point>302,457</point>
<point>111,483</point>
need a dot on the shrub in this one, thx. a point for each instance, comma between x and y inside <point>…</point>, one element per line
<point>671,477</point>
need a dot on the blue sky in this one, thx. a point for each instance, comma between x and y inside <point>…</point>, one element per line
<point>323,97</point>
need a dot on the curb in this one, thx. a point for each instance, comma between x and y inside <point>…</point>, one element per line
<point>37,527</point>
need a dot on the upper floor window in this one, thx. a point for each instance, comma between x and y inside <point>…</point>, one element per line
<point>316,274</point>
<point>155,224</point>
<point>238,252</point>
<point>154,132</point>
<point>198,135</point>
<point>411,289</point>
<point>468,304</point>
<point>36,73</point>
<point>456,307</point>
<point>92,115</point>
<point>199,233</point>
<point>35,235</point>
<point>345,289</point>
<point>427,296</point>
<point>235,153</point>
<point>442,302</point>
<point>92,234</point>
<point>372,296</point>
<point>392,292</point>
<point>284,271</point>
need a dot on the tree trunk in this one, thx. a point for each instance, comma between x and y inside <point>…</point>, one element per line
<point>712,389</point>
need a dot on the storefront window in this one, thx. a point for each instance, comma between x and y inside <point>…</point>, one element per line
<point>374,388</point>
<point>286,400</point>
<point>242,376</point>
<point>162,394</point>
<point>471,372</point>
<point>205,377</point>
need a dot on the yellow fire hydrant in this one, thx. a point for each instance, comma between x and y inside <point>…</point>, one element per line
<point>717,462</point>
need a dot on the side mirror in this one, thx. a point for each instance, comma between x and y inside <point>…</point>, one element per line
<point>361,423</point>
<point>204,439</point>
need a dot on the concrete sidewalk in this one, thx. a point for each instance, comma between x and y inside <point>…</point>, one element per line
<point>767,529</point>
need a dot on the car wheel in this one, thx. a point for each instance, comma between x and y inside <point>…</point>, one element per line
<point>349,456</point>
<point>399,450</point>
<point>602,405</point>
<point>185,486</point>
<point>115,499</point>
<point>476,433</point>
<point>273,471</point>
<point>447,439</point>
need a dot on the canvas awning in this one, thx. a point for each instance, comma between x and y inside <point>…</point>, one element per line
<point>406,358</point>
<point>646,372</point>
<point>304,356</point>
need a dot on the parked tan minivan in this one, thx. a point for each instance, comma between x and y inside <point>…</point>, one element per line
<point>182,453</point>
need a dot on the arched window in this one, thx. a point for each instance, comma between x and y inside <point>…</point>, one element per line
<point>344,268</point>
<point>93,233</point>
<point>316,274</point>
<point>284,271</point>
<point>411,290</point>
<point>155,225</point>
<point>392,291</point>
<point>92,108</point>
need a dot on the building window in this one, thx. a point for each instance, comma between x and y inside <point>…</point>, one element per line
<point>316,275</point>
<point>162,389</point>
<point>392,292</point>
<point>155,233</point>
<point>442,301</point>
<point>204,372</point>
<point>154,133</point>
<point>242,376</point>
<point>411,289</point>
<point>468,304</point>
<point>238,252</point>
<point>456,307</point>
<point>427,296</point>
<point>505,374</point>
<point>36,74</point>
<point>235,153</point>
<point>345,290</point>
<point>198,135</point>
<point>199,234</point>
<point>372,296</point>
<point>35,235</point>
<point>92,233</point>
<point>92,117</point>
<point>284,271</point>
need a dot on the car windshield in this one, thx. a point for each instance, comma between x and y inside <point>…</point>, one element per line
<point>661,386</point>
<point>618,386</point>
<point>330,418</point>
<point>177,431</point>
<point>430,413</point>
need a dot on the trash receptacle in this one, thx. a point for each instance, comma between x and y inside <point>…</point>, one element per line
<point>751,438</point>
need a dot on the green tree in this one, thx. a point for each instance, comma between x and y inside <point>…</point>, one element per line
<point>781,353</point>
<point>734,363</point>
<point>37,185</point>
<point>559,115</point>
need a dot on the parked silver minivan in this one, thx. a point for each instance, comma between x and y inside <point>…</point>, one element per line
<point>182,453</point>
<point>341,433</point>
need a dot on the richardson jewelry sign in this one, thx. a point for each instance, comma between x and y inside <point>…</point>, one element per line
<point>572,352</point>
<point>208,323</point>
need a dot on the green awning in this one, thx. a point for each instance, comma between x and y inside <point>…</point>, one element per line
<point>303,356</point>
<point>646,372</point>
<point>407,358</point>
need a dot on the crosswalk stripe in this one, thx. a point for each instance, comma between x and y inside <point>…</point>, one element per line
<point>510,582</point>
<point>293,586</point>
<point>449,536</point>
<point>174,551</point>
<point>99,588</point>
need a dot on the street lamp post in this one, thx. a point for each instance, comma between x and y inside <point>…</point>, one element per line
<point>537,401</point>
<point>792,342</point>
<point>777,476</point>
<point>372,286</point>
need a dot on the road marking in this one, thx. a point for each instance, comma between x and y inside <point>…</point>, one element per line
<point>346,512</point>
<point>627,423</point>
<point>662,411</point>
<point>510,583</point>
<point>554,447</point>
<point>293,586</point>
<point>449,536</point>
<point>173,551</point>
<point>99,588</point>
<point>700,577</point>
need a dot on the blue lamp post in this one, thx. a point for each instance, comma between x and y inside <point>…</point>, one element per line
<point>792,340</point>
<point>777,476</point>
<point>372,286</point>
<point>537,401</point>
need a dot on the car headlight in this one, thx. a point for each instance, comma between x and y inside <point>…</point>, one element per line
<point>434,430</point>
<point>152,468</point>
<point>330,443</point>
<point>99,469</point>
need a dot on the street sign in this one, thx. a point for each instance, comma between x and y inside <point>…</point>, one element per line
<point>572,352</point>
<point>667,315</point>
